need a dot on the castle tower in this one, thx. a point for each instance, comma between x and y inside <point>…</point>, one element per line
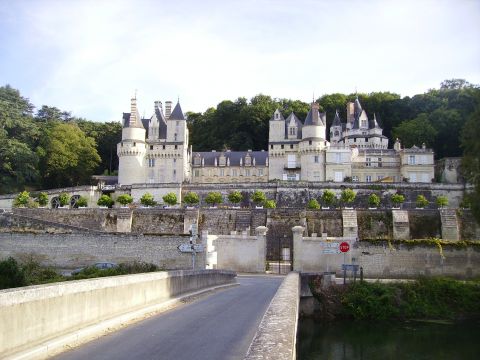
<point>131,150</point>
<point>336,129</point>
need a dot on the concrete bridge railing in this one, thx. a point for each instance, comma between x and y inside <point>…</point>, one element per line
<point>33,316</point>
<point>277,333</point>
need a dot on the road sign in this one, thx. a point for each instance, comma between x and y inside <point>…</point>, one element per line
<point>188,248</point>
<point>344,247</point>
<point>350,267</point>
<point>331,251</point>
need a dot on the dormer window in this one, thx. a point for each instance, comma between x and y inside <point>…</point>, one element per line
<point>337,133</point>
<point>222,160</point>
<point>364,123</point>
<point>292,131</point>
<point>277,116</point>
<point>197,160</point>
<point>248,160</point>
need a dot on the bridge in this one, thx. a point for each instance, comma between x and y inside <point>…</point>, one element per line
<point>209,314</point>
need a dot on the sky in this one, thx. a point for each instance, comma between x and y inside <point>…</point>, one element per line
<point>91,57</point>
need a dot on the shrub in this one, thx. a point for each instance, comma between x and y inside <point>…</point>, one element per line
<point>105,200</point>
<point>64,199</point>
<point>313,204</point>
<point>124,199</point>
<point>191,198</point>
<point>442,201</point>
<point>397,199</point>
<point>373,200</point>
<point>170,199</point>
<point>82,201</point>
<point>213,198</point>
<point>22,199</point>
<point>42,199</point>
<point>147,200</point>
<point>11,274</point>
<point>258,197</point>
<point>270,204</point>
<point>37,274</point>
<point>328,197</point>
<point>235,197</point>
<point>348,196</point>
<point>421,201</point>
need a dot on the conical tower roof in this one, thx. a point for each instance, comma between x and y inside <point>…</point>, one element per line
<point>177,113</point>
<point>336,119</point>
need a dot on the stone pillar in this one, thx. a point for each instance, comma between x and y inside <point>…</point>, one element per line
<point>124,220</point>
<point>449,221</point>
<point>297,247</point>
<point>261,234</point>
<point>401,225</point>
<point>350,227</point>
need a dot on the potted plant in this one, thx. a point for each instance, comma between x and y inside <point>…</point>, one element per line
<point>328,199</point>
<point>147,200</point>
<point>258,197</point>
<point>22,199</point>
<point>125,200</point>
<point>42,199</point>
<point>421,202</point>
<point>105,201</point>
<point>82,202</point>
<point>442,201</point>
<point>191,198</point>
<point>235,197</point>
<point>170,199</point>
<point>348,197</point>
<point>270,204</point>
<point>213,198</point>
<point>64,200</point>
<point>373,201</point>
<point>313,204</point>
<point>397,200</point>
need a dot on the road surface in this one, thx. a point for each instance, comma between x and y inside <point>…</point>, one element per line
<point>219,326</point>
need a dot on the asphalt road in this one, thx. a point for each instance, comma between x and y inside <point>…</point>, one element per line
<point>219,326</point>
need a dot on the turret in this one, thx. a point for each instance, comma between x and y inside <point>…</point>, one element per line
<point>336,129</point>
<point>315,124</point>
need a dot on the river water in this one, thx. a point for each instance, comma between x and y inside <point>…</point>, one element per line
<point>348,340</point>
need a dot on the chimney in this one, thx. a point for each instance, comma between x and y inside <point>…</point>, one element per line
<point>168,109</point>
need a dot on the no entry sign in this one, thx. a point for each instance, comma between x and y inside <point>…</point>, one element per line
<point>344,247</point>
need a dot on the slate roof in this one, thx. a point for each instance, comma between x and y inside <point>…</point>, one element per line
<point>126,122</point>
<point>234,156</point>
<point>297,121</point>
<point>177,113</point>
<point>162,123</point>
<point>336,120</point>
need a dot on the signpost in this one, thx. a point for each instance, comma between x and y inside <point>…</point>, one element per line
<point>192,247</point>
<point>344,247</point>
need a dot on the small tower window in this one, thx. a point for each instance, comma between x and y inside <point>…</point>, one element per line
<point>271,146</point>
<point>282,146</point>
<point>175,136</point>
<point>134,144</point>
<point>151,147</point>
<point>291,146</point>
<point>176,147</point>
<point>163,147</point>
<point>309,142</point>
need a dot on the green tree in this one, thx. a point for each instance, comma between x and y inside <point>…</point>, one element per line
<point>442,201</point>
<point>421,201</point>
<point>191,198</point>
<point>348,196</point>
<point>64,199</point>
<point>170,199</point>
<point>147,200</point>
<point>416,132</point>
<point>82,201</point>
<point>105,200</point>
<point>214,198</point>
<point>68,157</point>
<point>125,199</point>
<point>373,200</point>
<point>258,197</point>
<point>42,199</point>
<point>397,199</point>
<point>270,204</point>
<point>313,204</point>
<point>235,197</point>
<point>328,197</point>
<point>11,274</point>
<point>22,199</point>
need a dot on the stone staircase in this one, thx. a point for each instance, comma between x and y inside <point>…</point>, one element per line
<point>350,226</point>
<point>450,229</point>
<point>242,220</point>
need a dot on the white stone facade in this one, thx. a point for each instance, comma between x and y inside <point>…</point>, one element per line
<point>156,151</point>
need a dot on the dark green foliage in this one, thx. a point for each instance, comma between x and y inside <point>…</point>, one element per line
<point>214,198</point>
<point>11,274</point>
<point>105,200</point>
<point>122,269</point>
<point>270,204</point>
<point>313,204</point>
<point>373,200</point>
<point>191,198</point>
<point>147,200</point>
<point>36,274</point>
<point>258,197</point>
<point>328,197</point>
<point>235,197</point>
<point>170,199</point>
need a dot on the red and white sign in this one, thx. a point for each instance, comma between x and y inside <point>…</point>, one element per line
<point>344,247</point>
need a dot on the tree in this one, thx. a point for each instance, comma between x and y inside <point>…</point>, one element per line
<point>442,201</point>
<point>397,199</point>
<point>42,199</point>
<point>22,199</point>
<point>82,201</point>
<point>11,274</point>
<point>313,204</point>
<point>147,200</point>
<point>270,204</point>
<point>235,197</point>
<point>191,198</point>
<point>105,200</point>
<point>328,197</point>
<point>68,157</point>
<point>421,201</point>
<point>64,199</point>
<point>258,197</point>
<point>214,198</point>
<point>170,199</point>
<point>348,196</point>
<point>373,200</point>
<point>125,199</point>
<point>416,132</point>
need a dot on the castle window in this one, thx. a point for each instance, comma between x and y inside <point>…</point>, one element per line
<point>309,142</point>
<point>196,173</point>
<point>282,146</point>
<point>276,116</point>
<point>293,131</point>
<point>151,147</point>
<point>151,162</point>
<point>315,159</point>
<point>379,162</point>
<point>247,172</point>
<point>174,173</point>
<point>291,146</point>
<point>163,147</point>
<point>174,161</point>
<point>271,147</point>
<point>338,158</point>
<point>234,172</point>
<point>368,178</point>
<point>177,123</point>
<point>411,160</point>
<point>134,144</point>
<point>222,172</point>
<point>368,162</point>
<point>248,160</point>
<point>337,133</point>
<point>176,147</point>
<point>260,172</point>
<point>355,178</point>
<point>364,123</point>
<point>175,137</point>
